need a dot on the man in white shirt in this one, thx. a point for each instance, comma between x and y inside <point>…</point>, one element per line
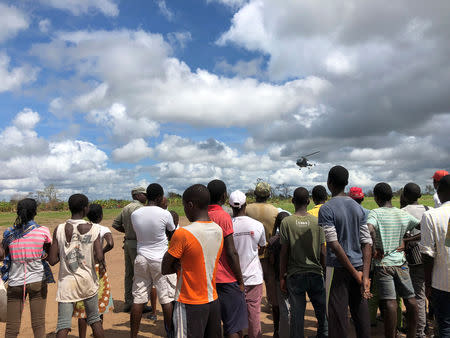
<point>150,224</point>
<point>435,248</point>
<point>249,238</point>
<point>436,178</point>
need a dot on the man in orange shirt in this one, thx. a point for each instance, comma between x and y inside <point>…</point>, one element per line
<point>194,253</point>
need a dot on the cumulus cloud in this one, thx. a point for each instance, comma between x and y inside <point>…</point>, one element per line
<point>14,78</point>
<point>30,162</point>
<point>138,68</point>
<point>79,7</point>
<point>44,25</point>
<point>132,152</point>
<point>252,68</point>
<point>13,21</point>
<point>179,39</point>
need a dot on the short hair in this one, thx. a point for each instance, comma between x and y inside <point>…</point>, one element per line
<point>444,184</point>
<point>198,194</point>
<point>319,193</point>
<point>77,202</point>
<point>95,213</point>
<point>338,176</point>
<point>154,191</point>
<point>216,190</point>
<point>411,192</point>
<point>26,210</point>
<point>383,192</point>
<point>301,196</point>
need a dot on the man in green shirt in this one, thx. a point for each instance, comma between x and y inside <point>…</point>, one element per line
<point>302,264</point>
<point>388,226</point>
<point>123,224</point>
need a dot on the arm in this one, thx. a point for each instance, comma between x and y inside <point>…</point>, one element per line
<point>233,259</point>
<point>323,258</point>
<point>343,259</point>
<point>367,258</point>
<point>53,256</point>
<point>118,223</point>
<point>169,264</point>
<point>2,253</point>
<point>169,234</point>
<point>412,238</point>
<point>109,242</point>
<point>284,253</point>
<point>428,263</point>
<point>428,250</point>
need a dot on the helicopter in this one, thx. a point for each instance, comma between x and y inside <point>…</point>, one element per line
<point>302,162</point>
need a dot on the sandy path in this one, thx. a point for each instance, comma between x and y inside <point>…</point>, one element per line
<point>116,323</point>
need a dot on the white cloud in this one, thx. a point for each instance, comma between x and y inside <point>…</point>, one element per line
<point>122,126</point>
<point>14,78</point>
<point>44,25</point>
<point>168,14</point>
<point>136,69</point>
<point>12,21</point>
<point>26,119</point>
<point>242,68</point>
<point>79,7</point>
<point>180,39</point>
<point>133,152</point>
<point>230,3</point>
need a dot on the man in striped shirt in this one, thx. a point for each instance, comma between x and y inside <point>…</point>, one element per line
<point>435,247</point>
<point>388,225</point>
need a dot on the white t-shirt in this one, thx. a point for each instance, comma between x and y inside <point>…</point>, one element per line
<point>150,224</point>
<point>103,231</point>
<point>437,202</point>
<point>248,234</point>
<point>417,211</point>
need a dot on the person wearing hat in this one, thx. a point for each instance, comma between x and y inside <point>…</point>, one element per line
<point>436,179</point>
<point>249,238</point>
<point>123,224</point>
<point>266,214</point>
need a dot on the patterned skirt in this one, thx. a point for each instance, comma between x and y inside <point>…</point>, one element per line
<point>105,300</point>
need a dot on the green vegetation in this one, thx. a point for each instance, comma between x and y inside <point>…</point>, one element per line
<point>112,208</point>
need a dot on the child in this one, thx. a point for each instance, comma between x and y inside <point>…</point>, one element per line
<point>105,301</point>
<point>76,245</point>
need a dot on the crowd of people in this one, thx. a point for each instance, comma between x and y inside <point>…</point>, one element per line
<point>208,276</point>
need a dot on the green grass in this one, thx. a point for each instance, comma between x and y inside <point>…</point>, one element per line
<point>52,217</point>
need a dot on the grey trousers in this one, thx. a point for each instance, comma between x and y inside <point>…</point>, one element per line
<point>417,274</point>
<point>130,252</point>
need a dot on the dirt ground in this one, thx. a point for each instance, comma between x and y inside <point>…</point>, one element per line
<point>116,323</point>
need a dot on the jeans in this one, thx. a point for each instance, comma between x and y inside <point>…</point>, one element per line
<point>441,307</point>
<point>298,285</point>
<point>65,311</point>
<point>37,294</point>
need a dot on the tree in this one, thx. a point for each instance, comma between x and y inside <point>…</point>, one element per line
<point>48,195</point>
<point>429,189</point>
<point>283,189</point>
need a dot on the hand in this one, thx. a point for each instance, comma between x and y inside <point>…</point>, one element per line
<point>101,269</point>
<point>401,247</point>
<point>359,277</point>
<point>379,254</point>
<point>283,285</point>
<point>365,288</point>
<point>44,256</point>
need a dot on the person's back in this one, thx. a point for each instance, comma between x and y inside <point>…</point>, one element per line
<point>264,213</point>
<point>345,216</point>
<point>248,237</point>
<point>391,225</point>
<point>150,224</point>
<point>305,239</point>
<point>77,279</point>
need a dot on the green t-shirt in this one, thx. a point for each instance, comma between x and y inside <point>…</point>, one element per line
<point>304,237</point>
<point>390,225</point>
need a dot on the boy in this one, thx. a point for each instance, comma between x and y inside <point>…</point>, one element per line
<point>194,253</point>
<point>76,245</point>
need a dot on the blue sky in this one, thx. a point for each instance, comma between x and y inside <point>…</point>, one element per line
<point>101,95</point>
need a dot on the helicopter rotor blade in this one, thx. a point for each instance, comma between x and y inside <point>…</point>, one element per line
<point>312,154</point>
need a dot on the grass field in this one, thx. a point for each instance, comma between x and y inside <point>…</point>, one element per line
<point>50,217</point>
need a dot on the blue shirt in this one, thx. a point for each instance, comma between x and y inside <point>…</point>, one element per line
<point>347,217</point>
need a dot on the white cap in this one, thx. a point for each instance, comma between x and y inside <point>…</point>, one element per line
<point>237,199</point>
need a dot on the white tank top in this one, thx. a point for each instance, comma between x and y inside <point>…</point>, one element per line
<point>77,277</point>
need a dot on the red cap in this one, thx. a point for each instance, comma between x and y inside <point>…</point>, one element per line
<point>439,174</point>
<point>356,193</point>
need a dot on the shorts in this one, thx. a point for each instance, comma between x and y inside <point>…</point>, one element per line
<point>65,311</point>
<point>147,273</point>
<point>270,281</point>
<point>233,307</point>
<point>393,281</point>
<point>197,321</point>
